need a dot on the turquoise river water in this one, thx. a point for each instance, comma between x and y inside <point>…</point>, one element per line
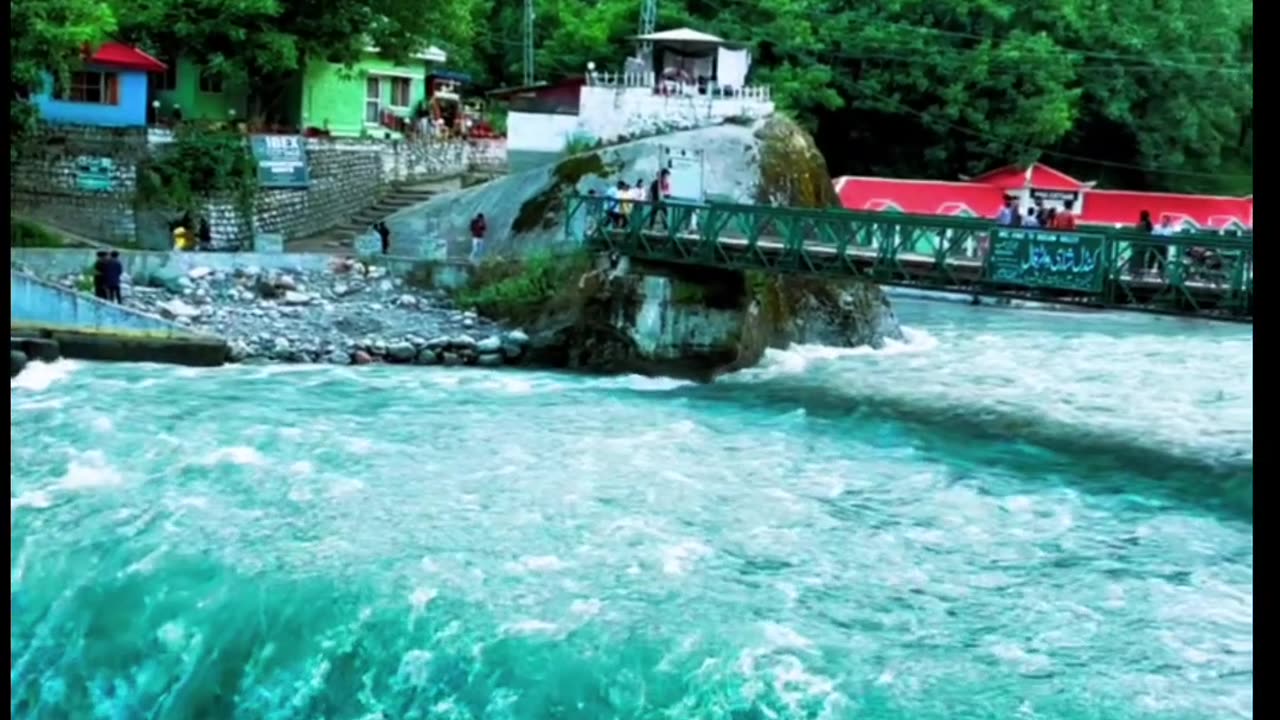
<point>1018,514</point>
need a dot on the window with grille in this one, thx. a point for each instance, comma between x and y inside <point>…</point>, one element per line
<point>210,82</point>
<point>401,91</point>
<point>88,86</point>
<point>372,101</point>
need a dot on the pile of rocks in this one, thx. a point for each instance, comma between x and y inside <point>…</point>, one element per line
<point>348,314</point>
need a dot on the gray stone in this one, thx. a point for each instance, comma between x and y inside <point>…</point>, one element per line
<point>17,361</point>
<point>296,298</point>
<point>338,357</point>
<point>450,359</point>
<point>462,342</point>
<point>238,350</point>
<point>438,343</point>
<point>401,351</point>
<point>178,310</point>
<point>491,344</point>
<point>492,359</point>
<point>427,357</point>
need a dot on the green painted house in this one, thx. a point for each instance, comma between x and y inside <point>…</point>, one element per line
<point>347,102</point>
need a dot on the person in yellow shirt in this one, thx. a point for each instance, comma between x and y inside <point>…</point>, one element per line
<point>182,239</point>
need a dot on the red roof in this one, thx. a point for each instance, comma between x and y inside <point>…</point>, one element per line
<point>1121,207</point>
<point>119,55</point>
<point>984,199</point>
<point>921,197</point>
<point>1043,177</point>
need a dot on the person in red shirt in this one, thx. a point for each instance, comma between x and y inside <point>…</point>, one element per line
<point>1065,219</point>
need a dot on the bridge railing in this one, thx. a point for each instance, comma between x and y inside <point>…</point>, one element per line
<point>1107,265</point>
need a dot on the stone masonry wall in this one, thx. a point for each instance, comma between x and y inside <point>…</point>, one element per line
<point>346,176</point>
<point>43,183</point>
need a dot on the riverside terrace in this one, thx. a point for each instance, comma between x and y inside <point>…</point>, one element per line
<point>1202,275</point>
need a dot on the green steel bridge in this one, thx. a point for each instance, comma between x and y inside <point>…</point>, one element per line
<point>1206,275</point>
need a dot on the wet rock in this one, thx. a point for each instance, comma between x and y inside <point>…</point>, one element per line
<point>462,342</point>
<point>492,359</point>
<point>427,356</point>
<point>17,361</point>
<point>292,297</point>
<point>176,309</point>
<point>360,357</point>
<point>450,359</point>
<point>338,357</point>
<point>401,352</point>
<point>491,344</point>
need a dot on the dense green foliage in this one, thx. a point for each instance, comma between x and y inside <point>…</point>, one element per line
<point>519,290</point>
<point>198,166</point>
<point>27,234</point>
<point>47,36</point>
<point>1128,92</point>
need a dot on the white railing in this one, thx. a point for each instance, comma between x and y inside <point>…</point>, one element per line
<point>663,86</point>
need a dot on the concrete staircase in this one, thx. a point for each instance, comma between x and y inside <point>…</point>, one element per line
<point>341,238</point>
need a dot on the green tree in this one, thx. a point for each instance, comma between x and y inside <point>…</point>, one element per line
<point>47,36</point>
<point>266,41</point>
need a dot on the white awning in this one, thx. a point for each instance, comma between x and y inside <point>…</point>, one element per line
<point>431,54</point>
<point>685,38</point>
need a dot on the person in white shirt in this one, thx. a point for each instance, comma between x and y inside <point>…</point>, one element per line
<point>613,204</point>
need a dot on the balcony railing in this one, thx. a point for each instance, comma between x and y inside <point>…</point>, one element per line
<point>665,86</point>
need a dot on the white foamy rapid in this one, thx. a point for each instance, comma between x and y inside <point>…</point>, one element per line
<point>1010,515</point>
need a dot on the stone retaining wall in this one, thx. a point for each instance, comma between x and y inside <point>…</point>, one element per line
<point>84,180</point>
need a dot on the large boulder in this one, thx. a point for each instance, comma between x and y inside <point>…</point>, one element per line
<point>659,320</point>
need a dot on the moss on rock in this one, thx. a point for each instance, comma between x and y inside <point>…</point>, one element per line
<point>545,209</point>
<point>793,172</point>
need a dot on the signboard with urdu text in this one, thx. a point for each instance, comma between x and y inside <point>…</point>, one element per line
<point>1042,259</point>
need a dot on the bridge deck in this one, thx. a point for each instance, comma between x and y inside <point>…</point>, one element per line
<point>1205,275</point>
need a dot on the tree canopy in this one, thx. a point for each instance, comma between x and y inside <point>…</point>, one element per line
<point>1128,92</point>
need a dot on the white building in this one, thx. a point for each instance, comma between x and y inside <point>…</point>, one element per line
<point>689,80</point>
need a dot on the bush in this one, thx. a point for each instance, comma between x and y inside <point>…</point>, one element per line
<point>580,142</point>
<point>30,235</point>
<point>519,290</point>
<point>201,164</point>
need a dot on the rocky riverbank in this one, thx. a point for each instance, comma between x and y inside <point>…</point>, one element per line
<point>350,314</point>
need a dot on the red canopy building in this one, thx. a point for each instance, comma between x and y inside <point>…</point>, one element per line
<point>983,195</point>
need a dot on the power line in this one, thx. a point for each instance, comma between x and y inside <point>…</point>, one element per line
<point>1069,50</point>
<point>1066,156</point>
<point>529,42</point>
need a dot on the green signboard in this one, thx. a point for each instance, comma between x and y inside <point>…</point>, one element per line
<point>1045,259</point>
<point>282,161</point>
<point>94,174</point>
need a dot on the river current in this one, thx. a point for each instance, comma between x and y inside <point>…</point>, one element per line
<point>1018,514</point>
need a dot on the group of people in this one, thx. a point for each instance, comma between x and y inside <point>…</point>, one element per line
<point>107,271</point>
<point>621,199</point>
<point>1038,216</point>
<point>189,235</point>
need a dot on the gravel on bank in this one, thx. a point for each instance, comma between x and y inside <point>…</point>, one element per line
<point>351,314</point>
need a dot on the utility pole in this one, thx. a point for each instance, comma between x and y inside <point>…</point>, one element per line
<point>648,23</point>
<point>528,42</point>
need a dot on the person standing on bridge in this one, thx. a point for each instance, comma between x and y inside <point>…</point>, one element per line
<point>659,190</point>
<point>613,204</point>
<point>1008,214</point>
<point>1065,219</point>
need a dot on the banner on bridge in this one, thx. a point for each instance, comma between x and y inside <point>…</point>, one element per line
<point>1050,260</point>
